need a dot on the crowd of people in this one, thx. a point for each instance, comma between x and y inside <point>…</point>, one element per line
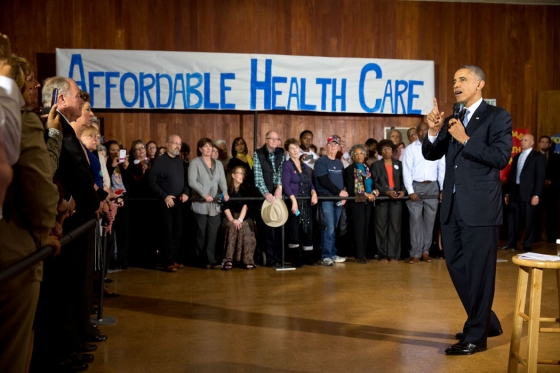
<point>218,210</point>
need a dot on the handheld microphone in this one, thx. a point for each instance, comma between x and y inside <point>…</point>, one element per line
<point>457,109</point>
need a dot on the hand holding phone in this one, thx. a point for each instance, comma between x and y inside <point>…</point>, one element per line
<point>54,97</point>
<point>122,155</point>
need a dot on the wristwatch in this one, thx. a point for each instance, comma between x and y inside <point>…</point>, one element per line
<point>375,192</point>
<point>240,220</point>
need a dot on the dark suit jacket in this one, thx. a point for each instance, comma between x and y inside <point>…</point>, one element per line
<point>75,176</point>
<point>531,180</point>
<point>553,171</point>
<point>381,179</point>
<point>474,169</point>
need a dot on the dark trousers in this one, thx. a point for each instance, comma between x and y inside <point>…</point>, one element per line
<point>172,221</point>
<point>548,206</point>
<point>359,215</point>
<point>519,211</point>
<point>273,243</point>
<point>293,230</point>
<point>206,233</point>
<point>388,229</point>
<point>470,253</point>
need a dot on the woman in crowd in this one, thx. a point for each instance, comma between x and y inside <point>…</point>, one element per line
<point>359,184</point>
<point>139,170</point>
<point>90,138</point>
<point>151,150</point>
<point>239,240</point>
<point>207,179</point>
<point>296,182</point>
<point>240,157</point>
<point>388,178</point>
<point>215,153</point>
<point>371,146</point>
<point>161,150</point>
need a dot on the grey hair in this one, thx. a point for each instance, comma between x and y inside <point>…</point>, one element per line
<point>219,142</point>
<point>356,147</point>
<point>101,148</point>
<point>476,70</point>
<point>171,137</point>
<point>50,84</point>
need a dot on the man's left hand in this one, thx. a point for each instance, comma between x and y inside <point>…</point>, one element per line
<point>535,200</point>
<point>457,130</point>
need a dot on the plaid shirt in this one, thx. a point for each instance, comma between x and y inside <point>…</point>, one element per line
<point>259,179</point>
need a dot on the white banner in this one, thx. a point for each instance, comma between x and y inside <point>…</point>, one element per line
<point>120,79</point>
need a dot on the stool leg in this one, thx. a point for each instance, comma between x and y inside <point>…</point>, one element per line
<point>534,319</point>
<point>558,289</point>
<point>517,330</point>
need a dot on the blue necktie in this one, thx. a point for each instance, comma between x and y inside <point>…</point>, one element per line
<point>466,118</point>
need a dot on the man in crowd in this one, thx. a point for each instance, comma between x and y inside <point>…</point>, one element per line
<point>422,178</point>
<point>329,181</point>
<point>267,168</point>
<point>524,192</point>
<point>476,148</point>
<point>222,153</point>
<point>167,180</point>
<point>412,135</point>
<point>551,191</point>
<point>309,157</point>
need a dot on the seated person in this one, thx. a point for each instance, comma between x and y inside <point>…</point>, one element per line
<point>239,240</point>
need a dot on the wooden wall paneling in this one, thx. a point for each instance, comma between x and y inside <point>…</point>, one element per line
<point>548,114</point>
<point>516,45</point>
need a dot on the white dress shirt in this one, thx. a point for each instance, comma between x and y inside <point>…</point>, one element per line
<point>416,168</point>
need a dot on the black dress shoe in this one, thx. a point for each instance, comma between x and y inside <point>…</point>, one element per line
<point>527,249</point>
<point>506,247</point>
<point>84,358</point>
<point>464,348</point>
<point>87,347</point>
<point>491,333</point>
<point>97,338</point>
<point>71,366</point>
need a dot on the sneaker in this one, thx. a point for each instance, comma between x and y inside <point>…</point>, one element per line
<point>327,262</point>
<point>338,259</point>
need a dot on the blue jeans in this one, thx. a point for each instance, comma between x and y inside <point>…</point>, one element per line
<point>331,214</point>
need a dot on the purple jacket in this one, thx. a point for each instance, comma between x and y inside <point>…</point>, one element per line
<point>290,178</point>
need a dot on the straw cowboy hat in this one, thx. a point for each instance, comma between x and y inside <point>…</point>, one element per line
<point>274,214</point>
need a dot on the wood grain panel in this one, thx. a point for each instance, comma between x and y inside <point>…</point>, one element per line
<point>516,45</point>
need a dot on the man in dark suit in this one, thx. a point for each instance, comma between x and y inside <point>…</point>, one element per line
<point>476,148</point>
<point>551,190</point>
<point>524,191</point>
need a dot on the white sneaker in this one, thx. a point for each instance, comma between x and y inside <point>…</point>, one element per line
<point>327,262</point>
<point>338,259</point>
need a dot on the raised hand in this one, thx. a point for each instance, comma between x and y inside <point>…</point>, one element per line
<point>435,119</point>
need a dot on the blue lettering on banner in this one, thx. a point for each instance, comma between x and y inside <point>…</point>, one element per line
<point>192,90</point>
<point>388,93</point>
<point>412,96</point>
<point>108,86</point>
<point>293,92</point>
<point>92,85</point>
<point>167,77</point>
<point>76,61</point>
<point>179,91</point>
<point>323,82</point>
<point>378,75</point>
<point>145,89</point>
<point>305,106</point>
<point>123,90</point>
<point>398,95</point>
<point>224,88</point>
<point>275,93</point>
<point>341,97</point>
<point>207,103</point>
<point>264,85</point>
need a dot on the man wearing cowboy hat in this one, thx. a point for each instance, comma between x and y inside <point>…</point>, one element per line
<point>267,169</point>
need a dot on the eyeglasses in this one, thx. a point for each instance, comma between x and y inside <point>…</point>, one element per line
<point>273,138</point>
<point>174,143</point>
<point>140,148</point>
<point>359,154</point>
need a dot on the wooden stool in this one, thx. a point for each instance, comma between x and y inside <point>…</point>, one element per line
<point>535,268</point>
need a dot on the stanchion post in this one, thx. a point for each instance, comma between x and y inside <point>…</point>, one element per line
<point>109,320</point>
